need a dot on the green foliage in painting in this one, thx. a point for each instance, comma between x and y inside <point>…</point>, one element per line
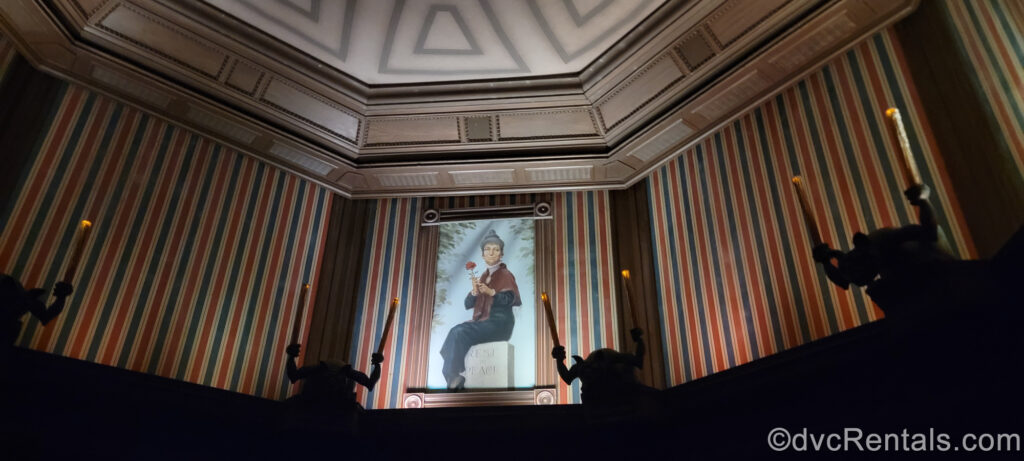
<point>524,229</point>
<point>450,237</point>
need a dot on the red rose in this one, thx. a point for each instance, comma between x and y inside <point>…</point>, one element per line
<point>470,265</point>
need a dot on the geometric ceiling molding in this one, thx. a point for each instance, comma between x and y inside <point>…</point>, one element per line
<point>220,125</point>
<point>562,124</point>
<point>130,86</point>
<point>726,25</point>
<point>643,87</point>
<point>560,173</point>
<point>330,33</point>
<point>300,158</point>
<point>661,142</point>
<point>483,176</point>
<point>442,43</point>
<point>826,35</point>
<point>411,131</point>
<point>165,39</point>
<point>417,61</point>
<point>588,32</point>
<point>739,90</point>
<point>591,11</point>
<point>695,50</point>
<point>408,179</point>
<point>89,7</point>
<point>311,11</point>
<point>662,88</point>
<point>311,108</point>
<point>396,42</point>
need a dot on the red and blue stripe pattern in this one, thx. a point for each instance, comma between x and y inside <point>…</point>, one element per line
<point>196,256</point>
<point>388,263</point>
<point>584,293</point>
<point>991,35</point>
<point>736,280</point>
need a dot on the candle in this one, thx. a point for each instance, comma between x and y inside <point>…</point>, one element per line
<point>76,254</point>
<point>387,326</point>
<point>551,318</point>
<point>812,225</point>
<point>899,136</point>
<point>298,313</point>
<point>632,300</point>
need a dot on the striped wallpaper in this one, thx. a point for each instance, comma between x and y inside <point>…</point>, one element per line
<point>991,35</point>
<point>736,280</point>
<point>186,229</point>
<point>582,294</point>
<point>585,284</point>
<point>196,255</point>
<point>387,273</point>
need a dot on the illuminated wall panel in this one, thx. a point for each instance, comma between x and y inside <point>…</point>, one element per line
<point>583,285</point>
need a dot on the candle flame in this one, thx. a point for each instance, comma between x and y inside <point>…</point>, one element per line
<point>305,286</point>
<point>797,180</point>
<point>394,302</point>
<point>86,224</point>
<point>625,274</point>
<point>890,111</point>
<point>544,296</point>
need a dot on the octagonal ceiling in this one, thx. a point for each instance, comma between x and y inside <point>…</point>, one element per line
<point>378,98</point>
<point>416,41</point>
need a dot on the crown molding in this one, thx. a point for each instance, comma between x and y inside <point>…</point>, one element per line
<point>688,69</point>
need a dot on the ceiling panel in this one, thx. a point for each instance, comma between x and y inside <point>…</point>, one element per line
<point>416,41</point>
<point>688,67</point>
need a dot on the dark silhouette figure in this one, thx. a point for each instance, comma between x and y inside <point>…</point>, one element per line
<point>607,377</point>
<point>889,260</point>
<point>331,383</point>
<point>328,398</point>
<point>16,301</point>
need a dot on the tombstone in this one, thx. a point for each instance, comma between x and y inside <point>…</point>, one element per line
<point>490,365</point>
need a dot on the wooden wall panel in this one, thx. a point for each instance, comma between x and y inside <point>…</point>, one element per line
<point>419,130</point>
<point>311,108</point>
<point>146,30</point>
<point>244,77</point>
<point>631,226</point>
<point>736,17</point>
<point>334,308</point>
<point>695,50</point>
<point>631,96</point>
<point>546,124</point>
